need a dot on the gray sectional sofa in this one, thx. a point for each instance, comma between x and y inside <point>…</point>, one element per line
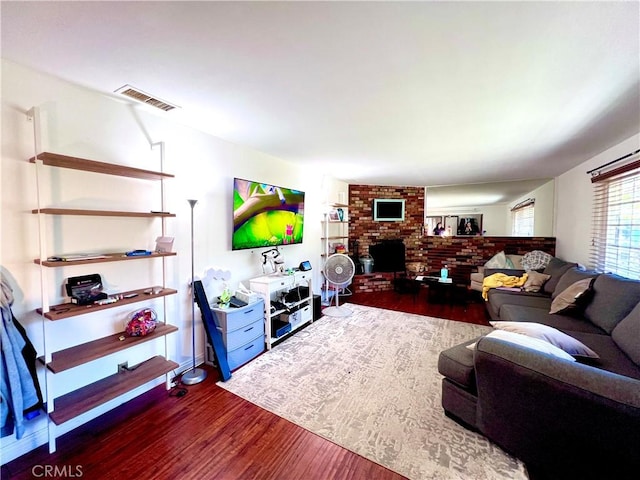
<point>564,419</point>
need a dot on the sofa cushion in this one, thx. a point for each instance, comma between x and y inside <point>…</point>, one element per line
<point>566,323</point>
<point>627,334</point>
<point>573,299</point>
<point>499,298</point>
<point>570,277</point>
<point>556,268</point>
<point>456,363</point>
<point>613,298</point>
<point>535,281</point>
<point>612,358</point>
<point>535,260</point>
<point>549,334</point>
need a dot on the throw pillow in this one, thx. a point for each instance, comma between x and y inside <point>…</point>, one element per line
<point>549,334</point>
<point>529,342</point>
<point>627,333</point>
<point>499,260</point>
<point>516,260</point>
<point>573,298</point>
<point>570,277</point>
<point>535,281</point>
<point>535,260</point>
<point>556,268</point>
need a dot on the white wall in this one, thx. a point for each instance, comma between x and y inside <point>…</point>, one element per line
<point>80,122</point>
<point>543,213</point>
<point>575,203</point>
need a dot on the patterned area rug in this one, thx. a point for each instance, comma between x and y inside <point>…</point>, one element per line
<point>370,383</point>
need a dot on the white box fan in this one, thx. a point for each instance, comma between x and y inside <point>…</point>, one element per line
<point>338,270</point>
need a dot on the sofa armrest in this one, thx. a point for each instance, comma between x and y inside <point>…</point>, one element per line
<point>507,271</point>
<point>558,416</point>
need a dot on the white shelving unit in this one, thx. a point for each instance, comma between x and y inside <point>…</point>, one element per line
<point>334,231</point>
<point>68,406</point>
<point>272,288</point>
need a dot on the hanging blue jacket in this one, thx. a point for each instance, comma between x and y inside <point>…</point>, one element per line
<point>18,391</point>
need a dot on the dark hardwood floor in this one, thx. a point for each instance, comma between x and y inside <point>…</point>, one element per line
<point>210,433</point>
<point>467,306</point>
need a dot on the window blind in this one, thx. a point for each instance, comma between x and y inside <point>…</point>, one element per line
<point>522,218</point>
<point>615,245</point>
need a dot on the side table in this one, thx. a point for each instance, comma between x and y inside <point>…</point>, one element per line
<point>443,290</point>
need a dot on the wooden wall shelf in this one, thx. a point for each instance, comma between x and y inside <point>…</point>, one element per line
<point>67,310</point>
<point>95,394</point>
<point>109,257</point>
<point>76,163</point>
<point>88,397</point>
<point>102,213</point>
<point>86,352</point>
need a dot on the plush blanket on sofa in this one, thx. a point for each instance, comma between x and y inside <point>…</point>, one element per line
<point>497,280</point>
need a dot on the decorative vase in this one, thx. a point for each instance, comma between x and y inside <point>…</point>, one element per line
<point>341,215</point>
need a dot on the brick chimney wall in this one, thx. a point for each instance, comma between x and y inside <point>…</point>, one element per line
<point>366,231</point>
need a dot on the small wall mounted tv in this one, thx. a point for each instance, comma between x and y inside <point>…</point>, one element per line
<point>266,215</point>
<point>388,210</point>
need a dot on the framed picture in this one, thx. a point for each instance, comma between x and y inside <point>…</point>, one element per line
<point>430,224</point>
<point>333,216</point>
<point>470,224</point>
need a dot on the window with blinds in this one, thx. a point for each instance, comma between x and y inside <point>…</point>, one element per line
<point>615,243</point>
<point>522,217</point>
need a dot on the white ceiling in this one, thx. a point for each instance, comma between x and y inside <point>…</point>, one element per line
<point>396,93</point>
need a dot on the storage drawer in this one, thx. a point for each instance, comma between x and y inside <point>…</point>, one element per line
<point>300,276</point>
<point>298,317</point>
<point>242,355</point>
<point>306,313</point>
<point>244,335</point>
<point>236,318</point>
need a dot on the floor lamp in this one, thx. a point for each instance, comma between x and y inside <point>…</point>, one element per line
<point>195,375</point>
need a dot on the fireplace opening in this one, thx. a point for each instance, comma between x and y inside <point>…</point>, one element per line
<point>388,256</point>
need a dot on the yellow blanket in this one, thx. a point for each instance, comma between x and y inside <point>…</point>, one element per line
<point>496,280</point>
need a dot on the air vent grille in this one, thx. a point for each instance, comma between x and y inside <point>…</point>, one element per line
<point>143,97</point>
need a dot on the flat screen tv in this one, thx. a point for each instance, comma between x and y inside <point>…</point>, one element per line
<point>266,215</point>
<point>388,210</point>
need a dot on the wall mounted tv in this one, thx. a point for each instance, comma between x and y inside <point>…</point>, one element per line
<point>388,210</point>
<point>266,215</point>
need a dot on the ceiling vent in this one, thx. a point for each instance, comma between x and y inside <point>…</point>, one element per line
<point>143,97</point>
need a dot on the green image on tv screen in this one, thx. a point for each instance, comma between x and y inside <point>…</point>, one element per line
<point>266,215</point>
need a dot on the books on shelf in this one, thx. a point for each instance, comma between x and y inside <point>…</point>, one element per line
<point>75,257</point>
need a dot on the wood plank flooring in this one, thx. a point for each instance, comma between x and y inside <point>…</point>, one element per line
<point>212,434</point>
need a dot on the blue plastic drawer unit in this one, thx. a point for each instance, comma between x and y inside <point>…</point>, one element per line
<point>242,355</point>
<point>242,331</point>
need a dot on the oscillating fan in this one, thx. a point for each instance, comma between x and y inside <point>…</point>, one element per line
<point>339,271</point>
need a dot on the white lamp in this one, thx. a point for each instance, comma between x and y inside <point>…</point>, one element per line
<point>195,375</point>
